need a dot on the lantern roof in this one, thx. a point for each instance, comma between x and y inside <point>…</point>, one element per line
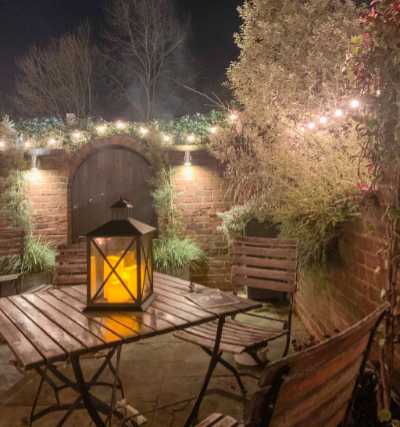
<point>122,227</point>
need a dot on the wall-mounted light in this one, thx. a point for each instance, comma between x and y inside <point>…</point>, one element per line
<point>188,170</point>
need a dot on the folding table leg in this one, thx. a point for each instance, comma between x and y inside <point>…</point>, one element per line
<point>84,391</point>
<point>216,354</point>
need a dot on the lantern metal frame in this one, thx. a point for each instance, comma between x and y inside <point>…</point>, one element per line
<point>136,231</point>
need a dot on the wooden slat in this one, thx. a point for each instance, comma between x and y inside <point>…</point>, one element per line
<point>19,344</point>
<point>265,241</point>
<point>53,330</point>
<point>93,327</point>
<point>39,339</point>
<point>272,285</point>
<point>252,261</point>
<point>85,337</point>
<point>286,253</point>
<point>263,273</point>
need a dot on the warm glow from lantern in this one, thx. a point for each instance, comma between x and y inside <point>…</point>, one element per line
<point>114,290</point>
<point>123,325</point>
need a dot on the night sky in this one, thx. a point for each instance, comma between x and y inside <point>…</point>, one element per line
<point>23,22</point>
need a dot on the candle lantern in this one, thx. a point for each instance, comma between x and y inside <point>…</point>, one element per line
<point>120,262</point>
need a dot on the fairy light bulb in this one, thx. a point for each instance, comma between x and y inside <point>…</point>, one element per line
<point>311,125</point>
<point>51,142</point>
<point>233,116</point>
<point>2,144</point>
<point>213,130</point>
<point>339,113</point>
<point>323,120</point>
<point>77,135</point>
<point>166,138</point>
<point>143,131</point>
<point>354,104</point>
<point>119,124</point>
<point>101,129</point>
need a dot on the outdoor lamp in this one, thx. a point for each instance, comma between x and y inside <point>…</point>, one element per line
<point>120,262</point>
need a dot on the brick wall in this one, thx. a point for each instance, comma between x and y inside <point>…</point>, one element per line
<point>329,300</point>
<point>199,197</point>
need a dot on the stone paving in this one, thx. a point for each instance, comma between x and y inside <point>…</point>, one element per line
<point>161,377</point>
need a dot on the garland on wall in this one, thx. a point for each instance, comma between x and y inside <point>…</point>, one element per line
<point>55,133</point>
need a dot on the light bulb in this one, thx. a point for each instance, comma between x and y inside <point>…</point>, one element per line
<point>120,124</point>
<point>213,130</point>
<point>101,129</point>
<point>323,120</point>
<point>2,144</point>
<point>51,142</point>
<point>233,116</point>
<point>339,113</point>
<point>166,138</point>
<point>311,125</point>
<point>143,131</point>
<point>190,138</point>
<point>354,103</point>
<point>77,135</point>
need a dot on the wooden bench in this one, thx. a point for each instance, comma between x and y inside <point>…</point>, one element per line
<point>315,387</point>
<point>263,263</point>
<point>12,243</point>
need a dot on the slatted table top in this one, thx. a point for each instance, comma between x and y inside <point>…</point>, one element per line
<point>51,325</point>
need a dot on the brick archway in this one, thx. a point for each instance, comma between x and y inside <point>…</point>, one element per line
<point>90,150</point>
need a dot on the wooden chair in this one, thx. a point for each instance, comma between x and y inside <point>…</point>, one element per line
<point>12,242</point>
<point>315,387</point>
<point>262,263</point>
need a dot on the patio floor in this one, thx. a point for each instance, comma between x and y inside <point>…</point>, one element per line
<point>160,376</point>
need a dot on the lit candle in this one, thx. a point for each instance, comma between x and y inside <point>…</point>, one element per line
<point>114,290</point>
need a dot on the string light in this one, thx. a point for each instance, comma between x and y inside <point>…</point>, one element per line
<point>2,144</point>
<point>28,144</point>
<point>311,125</point>
<point>166,138</point>
<point>233,116</point>
<point>323,120</point>
<point>120,125</point>
<point>143,131</point>
<point>213,130</point>
<point>355,103</point>
<point>339,113</point>
<point>76,135</point>
<point>101,129</point>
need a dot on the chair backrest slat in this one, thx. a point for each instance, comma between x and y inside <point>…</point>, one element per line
<point>265,263</point>
<point>319,385</point>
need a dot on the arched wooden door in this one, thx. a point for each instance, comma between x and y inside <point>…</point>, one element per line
<point>106,175</point>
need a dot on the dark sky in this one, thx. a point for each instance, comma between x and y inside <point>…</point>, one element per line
<point>23,22</point>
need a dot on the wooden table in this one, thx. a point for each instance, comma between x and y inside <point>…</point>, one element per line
<point>51,326</point>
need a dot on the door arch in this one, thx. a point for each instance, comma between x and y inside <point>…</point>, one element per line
<point>104,176</point>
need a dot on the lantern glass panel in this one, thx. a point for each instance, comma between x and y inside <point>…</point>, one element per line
<point>147,268</point>
<point>113,270</point>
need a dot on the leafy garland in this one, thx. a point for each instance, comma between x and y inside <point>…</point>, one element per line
<point>54,133</point>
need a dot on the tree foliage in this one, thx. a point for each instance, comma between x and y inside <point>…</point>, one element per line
<point>293,66</point>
